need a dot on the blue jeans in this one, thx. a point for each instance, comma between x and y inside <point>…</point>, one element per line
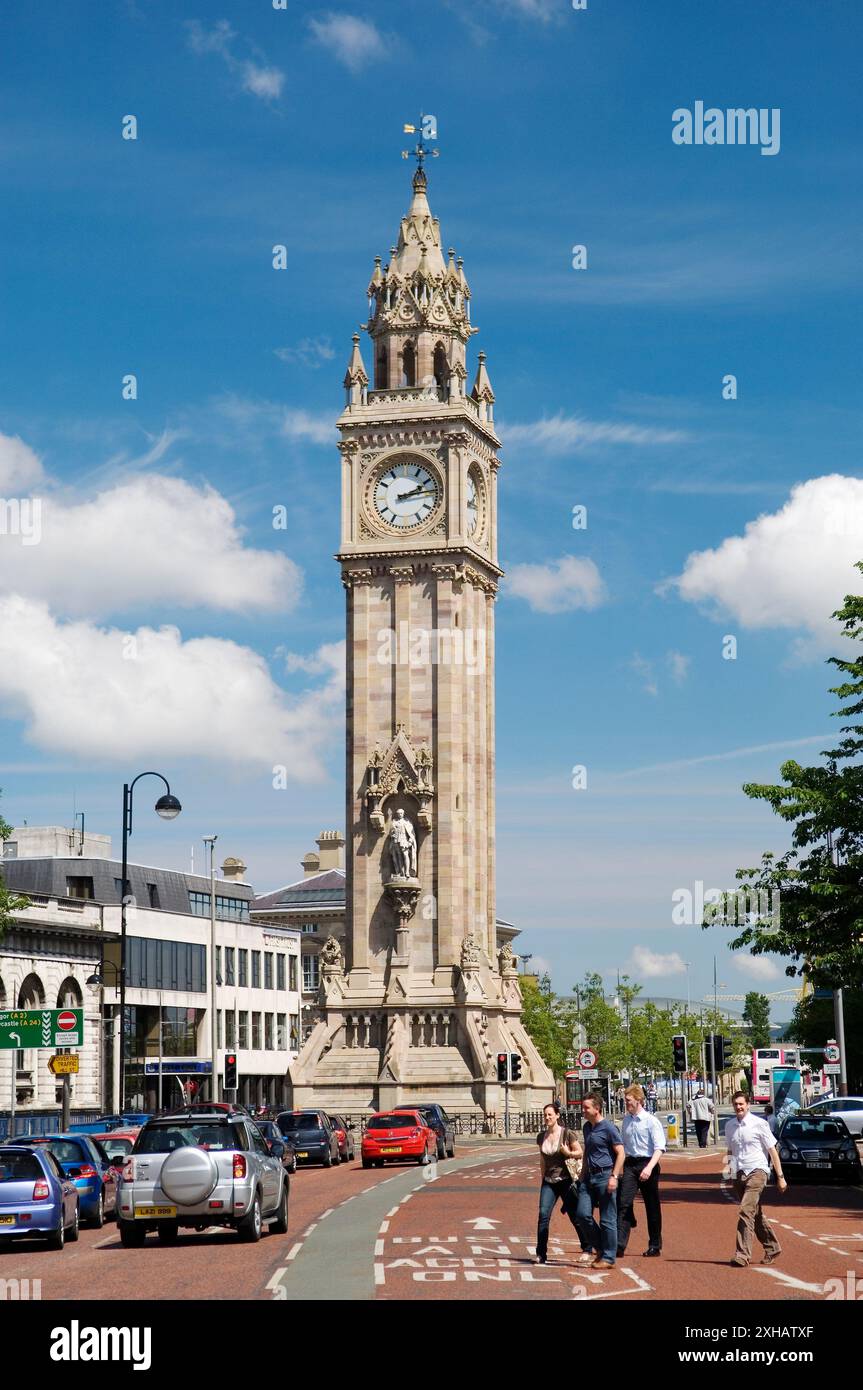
<point>549,1195</point>
<point>593,1192</point>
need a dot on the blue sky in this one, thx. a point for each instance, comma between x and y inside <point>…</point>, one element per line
<point>706,517</point>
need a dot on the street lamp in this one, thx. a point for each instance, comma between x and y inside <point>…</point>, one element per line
<point>168,808</point>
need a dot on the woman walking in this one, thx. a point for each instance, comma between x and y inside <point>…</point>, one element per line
<point>556,1145</point>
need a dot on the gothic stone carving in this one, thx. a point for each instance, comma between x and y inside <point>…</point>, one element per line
<point>399,765</point>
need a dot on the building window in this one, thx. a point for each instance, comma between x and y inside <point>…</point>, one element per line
<point>280,971</point>
<point>294,1034</point>
<point>292,972</point>
<point>155,964</point>
<point>118,887</point>
<point>243,963</point>
<point>199,904</point>
<point>153,895</point>
<point>230,1028</point>
<point>282,1032</point>
<point>309,927</point>
<point>256,970</point>
<point>256,1032</point>
<point>229,965</point>
<point>79,886</point>
<point>235,909</point>
<point>311,976</point>
<point>218,965</point>
<point>243,1029</point>
<point>218,1028</point>
<point>268,970</point>
<point>268,1032</point>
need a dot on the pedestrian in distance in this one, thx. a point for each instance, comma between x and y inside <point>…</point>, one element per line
<point>556,1146</point>
<point>643,1146</point>
<point>701,1113</point>
<point>770,1118</point>
<point>751,1151</point>
<point>651,1097</point>
<point>597,1189</point>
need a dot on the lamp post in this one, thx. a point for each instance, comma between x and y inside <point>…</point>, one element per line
<point>168,807</point>
<point>211,841</point>
<point>97,981</point>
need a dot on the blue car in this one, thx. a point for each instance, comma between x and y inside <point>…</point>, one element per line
<point>36,1196</point>
<point>87,1164</point>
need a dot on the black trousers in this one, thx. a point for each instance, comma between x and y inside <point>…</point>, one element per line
<point>627,1189</point>
<point>702,1129</point>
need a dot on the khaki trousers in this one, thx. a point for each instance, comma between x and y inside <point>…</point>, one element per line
<point>750,1190</point>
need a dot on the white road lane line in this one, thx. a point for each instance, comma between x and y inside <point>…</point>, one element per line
<point>379,1247</point>
<point>324,1214</point>
<point>384,1226</point>
<point>380,1277</point>
<point>789,1280</point>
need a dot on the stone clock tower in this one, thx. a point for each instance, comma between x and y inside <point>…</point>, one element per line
<point>422,1000</point>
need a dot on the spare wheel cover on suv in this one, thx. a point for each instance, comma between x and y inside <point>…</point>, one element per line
<point>188,1176</point>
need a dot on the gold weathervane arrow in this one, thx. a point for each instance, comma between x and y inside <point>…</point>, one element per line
<point>428,131</point>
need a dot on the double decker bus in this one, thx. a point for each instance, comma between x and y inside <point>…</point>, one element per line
<point>764,1059</point>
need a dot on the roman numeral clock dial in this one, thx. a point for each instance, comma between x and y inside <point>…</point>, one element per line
<point>406,495</point>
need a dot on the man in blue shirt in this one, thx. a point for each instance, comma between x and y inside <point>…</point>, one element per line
<point>601,1168</point>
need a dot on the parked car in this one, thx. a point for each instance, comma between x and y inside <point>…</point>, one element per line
<point>93,1174</point>
<point>36,1196</point>
<point>273,1134</point>
<point>311,1134</point>
<point>819,1147</point>
<point>344,1133</point>
<point>437,1119</point>
<point>116,1145</point>
<point>399,1134</point>
<point>202,1169</point>
<point>849,1109</point>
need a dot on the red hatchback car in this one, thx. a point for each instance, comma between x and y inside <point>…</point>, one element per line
<point>400,1135</point>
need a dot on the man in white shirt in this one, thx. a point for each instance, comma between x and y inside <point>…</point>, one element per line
<point>751,1151</point>
<point>701,1113</point>
<point>643,1146</point>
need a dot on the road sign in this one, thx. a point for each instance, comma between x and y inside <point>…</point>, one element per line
<point>64,1064</point>
<point>25,1028</point>
<point>588,1074</point>
<point>832,1069</point>
<point>587,1058</point>
<point>831,1052</point>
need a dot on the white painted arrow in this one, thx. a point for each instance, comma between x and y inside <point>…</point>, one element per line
<point>482,1223</point>
<point>791,1281</point>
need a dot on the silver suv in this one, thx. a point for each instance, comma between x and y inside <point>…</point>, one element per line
<point>200,1169</point>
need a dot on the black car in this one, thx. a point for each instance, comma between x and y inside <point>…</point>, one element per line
<point>438,1120</point>
<point>311,1134</point>
<point>271,1132</point>
<point>819,1147</point>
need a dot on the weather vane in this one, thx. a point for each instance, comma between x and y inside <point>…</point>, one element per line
<point>427,131</point>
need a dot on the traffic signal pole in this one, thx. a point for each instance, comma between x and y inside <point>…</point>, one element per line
<point>715,1096</point>
<point>506,1108</point>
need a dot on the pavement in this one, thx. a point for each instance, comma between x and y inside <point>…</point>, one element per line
<point>465,1228</point>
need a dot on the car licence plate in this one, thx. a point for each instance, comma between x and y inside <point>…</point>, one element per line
<point>303,1153</point>
<point>390,1151</point>
<point>155,1211</point>
<point>8,1220</point>
<point>817,1165</point>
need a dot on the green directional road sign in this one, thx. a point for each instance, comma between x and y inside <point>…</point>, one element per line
<point>41,1028</point>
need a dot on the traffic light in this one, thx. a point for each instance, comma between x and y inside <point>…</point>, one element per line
<point>515,1066</point>
<point>678,1045</point>
<point>503,1067</point>
<point>714,1052</point>
<point>230,1071</point>
<point>727,1054</point>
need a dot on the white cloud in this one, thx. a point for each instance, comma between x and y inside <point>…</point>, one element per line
<point>559,586</point>
<point>149,540</point>
<point>299,424</point>
<point>259,78</point>
<point>309,352</point>
<point>563,434</point>
<point>100,693</point>
<point>757,967</point>
<point>20,467</point>
<point>353,42</point>
<point>644,669</point>
<point>650,965</point>
<point>790,568</point>
<point>678,664</point>
<point>328,658</point>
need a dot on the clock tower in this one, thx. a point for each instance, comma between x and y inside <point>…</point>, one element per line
<point>421,1000</point>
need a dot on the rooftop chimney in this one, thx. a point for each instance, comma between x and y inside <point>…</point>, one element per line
<point>330,855</point>
<point>233,870</point>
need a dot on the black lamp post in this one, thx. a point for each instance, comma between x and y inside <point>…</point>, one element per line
<point>168,807</point>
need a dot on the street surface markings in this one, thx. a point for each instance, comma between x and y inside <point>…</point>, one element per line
<point>384,1226</point>
<point>324,1214</point>
<point>789,1280</point>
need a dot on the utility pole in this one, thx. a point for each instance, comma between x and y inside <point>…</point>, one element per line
<point>839,1026</point>
<point>211,841</point>
<point>713,1061</point>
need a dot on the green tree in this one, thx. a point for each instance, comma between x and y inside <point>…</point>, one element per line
<point>812,1026</point>
<point>820,918</point>
<point>756,1014</point>
<point>603,1026</point>
<point>9,902</point>
<point>546,1022</point>
<point>650,1032</point>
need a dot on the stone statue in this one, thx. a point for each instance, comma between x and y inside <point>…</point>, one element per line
<point>331,952</point>
<point>469,954</point>
<point>506,960</point>
<point>402,847</point>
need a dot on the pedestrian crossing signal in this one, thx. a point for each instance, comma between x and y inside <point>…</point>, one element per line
<point>230,1071</point>
<point>503,1067</point>
<point>514,1067</point>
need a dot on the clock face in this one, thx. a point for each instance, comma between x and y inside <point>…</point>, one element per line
<point>406,495</point>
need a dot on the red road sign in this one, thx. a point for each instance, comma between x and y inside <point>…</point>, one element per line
<point>66,1021</point>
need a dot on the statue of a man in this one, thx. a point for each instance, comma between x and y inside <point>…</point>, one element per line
<point>402,847</point>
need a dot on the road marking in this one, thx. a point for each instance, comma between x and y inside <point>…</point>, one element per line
<point>380,1278</point>
<point>482,1223</point>
<point>324,1214</point>
<point>393,1211</point>
<point>274,1282</point>
<point>857,1235</point>
<point>294,1251</point>
<point>789,1280</point>
<point>379,1247</point>
<point>384,1226</point>
<point>308,1231</point>
<point>109,1240</point>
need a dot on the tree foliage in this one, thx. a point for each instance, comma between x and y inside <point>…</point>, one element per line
<point>9,902</point>
<point>812,1025</point>
<point>756,1014</point>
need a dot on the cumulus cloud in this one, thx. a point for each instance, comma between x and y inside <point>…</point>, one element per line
<point>309,352</point>
<point>299,424</point>
<point>353,42</point>
<point>644,670</point>
<point>20,468</point>
<point>565,434</point>
<point>650,965</point>
<point>100,693</point>
<point>757,967</point>
<point>259,78</point>
<point>790,568</point>
<point>146,541</point>
<point>678,664</point>
<point>330,658</point>
<point>559,586</point>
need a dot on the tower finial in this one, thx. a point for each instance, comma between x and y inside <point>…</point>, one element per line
<point>421,152</point>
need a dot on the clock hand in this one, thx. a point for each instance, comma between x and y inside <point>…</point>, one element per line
<point>417,492</point>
